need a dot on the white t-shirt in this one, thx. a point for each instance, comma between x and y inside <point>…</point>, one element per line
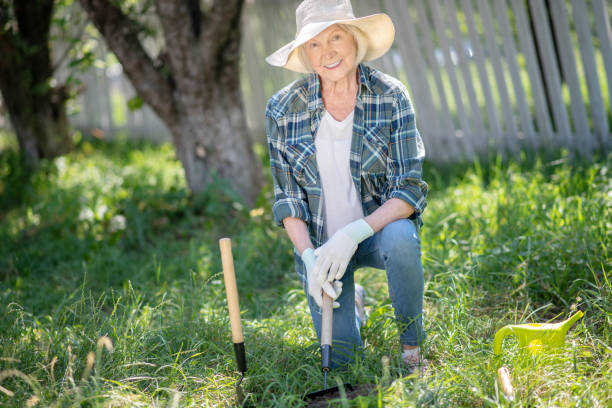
<point>342,204</point>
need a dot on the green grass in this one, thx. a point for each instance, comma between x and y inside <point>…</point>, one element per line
<point>107,242</point>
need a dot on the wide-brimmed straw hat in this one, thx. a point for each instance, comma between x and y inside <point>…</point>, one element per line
<point>314,16</point>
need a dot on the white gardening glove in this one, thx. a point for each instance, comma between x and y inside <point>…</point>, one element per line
<point>314,286</point>
<point>333,256</point>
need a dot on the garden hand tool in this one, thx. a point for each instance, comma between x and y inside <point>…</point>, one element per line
<point>231,292</point>
<point>326,349</point>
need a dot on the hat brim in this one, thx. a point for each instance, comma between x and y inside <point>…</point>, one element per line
<point>377,28</point>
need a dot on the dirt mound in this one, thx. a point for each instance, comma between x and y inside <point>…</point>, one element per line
<point>351,393</point>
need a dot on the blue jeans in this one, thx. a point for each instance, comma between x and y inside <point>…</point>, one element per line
<point>396,249</point>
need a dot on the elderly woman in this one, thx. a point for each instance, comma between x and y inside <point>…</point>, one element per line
<point>346,157</point>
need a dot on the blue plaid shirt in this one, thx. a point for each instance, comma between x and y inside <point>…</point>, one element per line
<point>386,155</point>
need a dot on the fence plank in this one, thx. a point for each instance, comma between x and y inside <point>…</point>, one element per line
<point>253,73</point>
<point>417,63</point>
<point>511,130</point>
<point>103,84</point>
<point>97,117</point>
<point>274,35</point>
<point>501,11</point>
<point>604,34</point>
<point>585,40</point>
<point>128,92</point>
<point>540,104</point>
<point>414,67</point>
<point>448,129</point>
<point>551,71</point>
<point>364,8</point>
<point>452,75</point>
<point>493,121</point>
<point>568,65</point>
<point>479,137</point>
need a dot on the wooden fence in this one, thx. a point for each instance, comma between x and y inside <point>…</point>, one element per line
<point>484,75</point>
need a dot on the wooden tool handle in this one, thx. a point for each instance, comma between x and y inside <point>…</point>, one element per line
<point>327,312</point>
<point>230,289</point>
<point>504,379</point>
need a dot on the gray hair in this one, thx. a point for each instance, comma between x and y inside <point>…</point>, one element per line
<point>360,40</point>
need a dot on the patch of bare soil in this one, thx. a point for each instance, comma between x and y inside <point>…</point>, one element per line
<point>357,390</point>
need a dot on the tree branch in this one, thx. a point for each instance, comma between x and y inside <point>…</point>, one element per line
<point>184,57</point>
<point>9,57</point>
<point>33,21</point>
<point>118,31</point>
<point>218,24</point>
<point>196,17</point>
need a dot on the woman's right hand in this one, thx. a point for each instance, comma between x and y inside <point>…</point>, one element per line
<point>315,289</point>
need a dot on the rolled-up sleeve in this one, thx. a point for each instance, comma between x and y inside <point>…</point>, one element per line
<point>290,199</point>
<point>406,155</point>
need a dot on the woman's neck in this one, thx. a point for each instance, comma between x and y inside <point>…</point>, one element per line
<point>343,87</point>
<point>339,96</point>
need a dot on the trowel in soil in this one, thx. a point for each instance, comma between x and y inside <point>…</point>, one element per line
<point>327,313</point>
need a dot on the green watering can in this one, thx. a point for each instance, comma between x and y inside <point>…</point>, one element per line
<point>536,336</point>
<point>531,336</point>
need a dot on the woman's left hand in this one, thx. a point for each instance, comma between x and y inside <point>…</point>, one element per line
<point>333,256</point>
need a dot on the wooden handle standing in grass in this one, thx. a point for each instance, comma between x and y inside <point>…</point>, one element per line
<point>230,289</point>
<point>504,379</point>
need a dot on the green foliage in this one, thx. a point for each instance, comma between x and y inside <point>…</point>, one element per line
<point>134,103</point>
<point>107,244</point>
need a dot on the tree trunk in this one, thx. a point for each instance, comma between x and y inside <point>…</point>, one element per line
<point>221,147</point>
<point>37,110</point>
<point>193,86</point>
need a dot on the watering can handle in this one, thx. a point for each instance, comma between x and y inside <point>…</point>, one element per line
<point>499,339</point>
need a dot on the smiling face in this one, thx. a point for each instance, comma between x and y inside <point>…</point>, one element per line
<point>332,54</point>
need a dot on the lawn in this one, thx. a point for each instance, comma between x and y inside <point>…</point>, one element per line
<point>111,291</point>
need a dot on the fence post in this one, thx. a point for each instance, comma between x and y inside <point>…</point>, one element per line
<point>598,112</point>
<point>604,33</point>
<point>540,105</point>
<point>551,71</point>
<point>447,126</point>
<point>478,142</point>
<point>568,65</point>
<point>450,70</point>
<point>511,130</point>
<point>501,10</point>
<point>492,118</point>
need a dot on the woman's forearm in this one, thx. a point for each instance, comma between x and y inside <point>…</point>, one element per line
<point>298,233</point>
<point>392,210</point>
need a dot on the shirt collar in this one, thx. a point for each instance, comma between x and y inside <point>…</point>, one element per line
<point>315,101</point>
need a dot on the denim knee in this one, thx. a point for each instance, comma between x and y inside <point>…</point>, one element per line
<point>400,239</point>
